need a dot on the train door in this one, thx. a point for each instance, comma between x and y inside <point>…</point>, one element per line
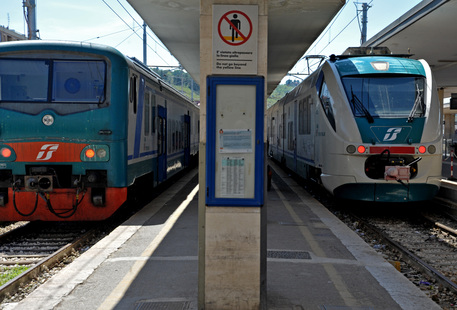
<point>186,138</point>
<point>162,144</point>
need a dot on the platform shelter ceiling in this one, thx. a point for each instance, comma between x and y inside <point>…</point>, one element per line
<point>293,25</point>
<point>428,32</point>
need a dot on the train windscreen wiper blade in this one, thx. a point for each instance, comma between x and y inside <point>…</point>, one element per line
<point>358,106</point>
<point>417,103</point>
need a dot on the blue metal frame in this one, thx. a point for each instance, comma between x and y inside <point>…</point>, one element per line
<point>212,82</point>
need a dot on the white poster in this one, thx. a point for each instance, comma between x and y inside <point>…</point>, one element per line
<point>232,177</point>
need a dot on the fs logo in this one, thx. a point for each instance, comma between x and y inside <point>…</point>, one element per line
<point>46,151</point>
<point>391,134</point>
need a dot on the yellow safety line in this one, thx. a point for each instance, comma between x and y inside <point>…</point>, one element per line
<point>116,295</point>
<point>336,279</point>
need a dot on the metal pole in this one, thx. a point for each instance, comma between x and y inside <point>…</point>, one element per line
<point>30,5</point>
<point>365,8</point>
<point>145,52</point>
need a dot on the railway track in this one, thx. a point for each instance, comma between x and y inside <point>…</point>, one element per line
<point>423,246</point>
<point>39,246</point>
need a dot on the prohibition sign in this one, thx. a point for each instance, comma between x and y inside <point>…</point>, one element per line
<point>236,28</point>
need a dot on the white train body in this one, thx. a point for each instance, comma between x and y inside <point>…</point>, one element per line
<point>367,127</point>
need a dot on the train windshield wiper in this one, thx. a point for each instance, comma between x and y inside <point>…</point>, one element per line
<point>417,103</point>
<point>359,107</point>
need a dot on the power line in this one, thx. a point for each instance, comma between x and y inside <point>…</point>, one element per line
<point>158,42</point>
<point>107,35</point>
<point>132,29</point>
<point>135,32</point>
<point>328,29</point>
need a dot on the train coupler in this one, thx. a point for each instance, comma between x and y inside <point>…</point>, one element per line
<point>397,173</point>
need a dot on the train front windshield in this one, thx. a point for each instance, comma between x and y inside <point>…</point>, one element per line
<point>52,81</point>
<point>385,97</point>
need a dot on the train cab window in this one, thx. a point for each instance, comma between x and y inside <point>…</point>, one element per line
<point>327,104</point>
<point>24,80</point>
<point>389,96</point>
<point>78,81</point>
<point>52,81</point>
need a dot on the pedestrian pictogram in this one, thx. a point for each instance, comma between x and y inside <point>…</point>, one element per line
<point>235,27</point>
<point>235,36</point>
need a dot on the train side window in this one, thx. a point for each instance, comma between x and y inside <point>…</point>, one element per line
<point>273,130</point>
<point>154,112</point>
<point>327,104</point>
<point>133,92</point>
<point>309,103</point>
<point>147,112</point>
<point>302,110</point>
<point>304,116</point>
<point>291,138</point>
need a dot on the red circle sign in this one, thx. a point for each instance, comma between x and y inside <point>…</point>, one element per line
<point>237,36</point>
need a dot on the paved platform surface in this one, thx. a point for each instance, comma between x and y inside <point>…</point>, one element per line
<point>150,262</point>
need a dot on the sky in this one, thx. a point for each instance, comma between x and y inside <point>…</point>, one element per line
<point>115,23</point>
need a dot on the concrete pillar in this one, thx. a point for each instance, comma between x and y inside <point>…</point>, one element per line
<point>232,240</point>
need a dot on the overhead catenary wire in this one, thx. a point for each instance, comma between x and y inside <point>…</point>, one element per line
<point>327,30</point>
<point>114,11</point>
<point>139,24</point>
<point>107,35</point>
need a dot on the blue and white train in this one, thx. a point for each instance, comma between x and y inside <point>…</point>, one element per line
<point>366,124</point>
<point>79,124</point>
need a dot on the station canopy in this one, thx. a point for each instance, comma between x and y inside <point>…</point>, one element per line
<point>427,31</point>
<point>292,27</point>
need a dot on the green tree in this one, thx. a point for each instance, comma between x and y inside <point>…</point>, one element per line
<point>281,91</point>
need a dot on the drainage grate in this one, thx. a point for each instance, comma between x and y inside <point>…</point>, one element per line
<point>162,305</point>
<point>288,254</point>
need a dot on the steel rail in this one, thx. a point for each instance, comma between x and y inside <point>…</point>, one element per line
<point>411,258</point>
<point>12,286</point>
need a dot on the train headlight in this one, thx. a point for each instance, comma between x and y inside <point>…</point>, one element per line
<point>7,153</point>
<point>350,149</point>
<point>95,153</point>
<point>432,149</point>
<point>380,65</point>
<point>101,153</point>
<point>48,120</point>
<point>422,149</point>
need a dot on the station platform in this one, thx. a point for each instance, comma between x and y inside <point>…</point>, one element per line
<point>314,261</point>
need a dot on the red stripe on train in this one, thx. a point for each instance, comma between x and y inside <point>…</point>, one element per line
<point>393,149</point>
<point>47,151</point>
